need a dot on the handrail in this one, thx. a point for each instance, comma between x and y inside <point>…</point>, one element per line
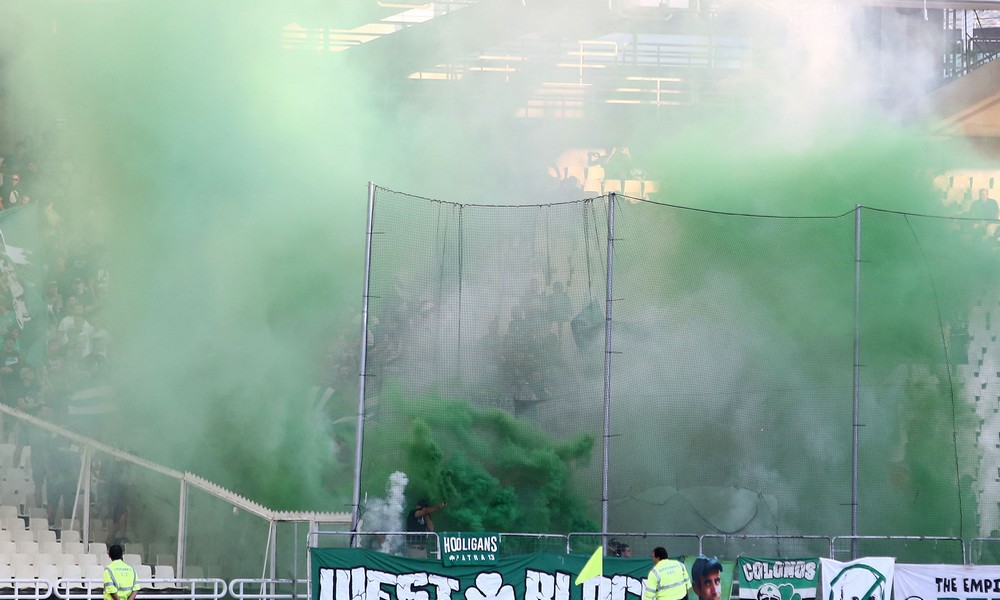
<point>916,538</point>
<point>777,537</point>
<point>178,588</point>
<point>617,534</point>
<point>237,589</point>
<point>39,589</point>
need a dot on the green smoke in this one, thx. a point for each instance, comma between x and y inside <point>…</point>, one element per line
<point>495,472</point>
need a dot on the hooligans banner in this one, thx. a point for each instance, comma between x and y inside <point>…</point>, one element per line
<point>357,574</point>
<point>954,582</point>
<point>777,579</point>
<point>865,578</point>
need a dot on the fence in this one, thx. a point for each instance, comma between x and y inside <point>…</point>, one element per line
<point>186,535</point>
<point>616,364</point>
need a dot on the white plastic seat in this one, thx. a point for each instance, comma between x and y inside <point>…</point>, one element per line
<point>44,535</point>
<point>43,558</point>
<point>8,510</point>
<point>143,572</point>
<point>12,523</point>
<point>132,559</point>
<point>8,548</point>
<point>27,547</point>
<point>48,572</point>
<point>165,559</point>
<point>94,574</point>
<point>85,559</point>
<point>21,535</point>
<point>162,575</point>
<point>69,535</point>
<point>21,559</point>
<point>64,560</point>
<point>98,549</point>
<point>73,548</point>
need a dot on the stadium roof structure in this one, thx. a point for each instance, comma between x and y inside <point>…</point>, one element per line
<point>554,59</point>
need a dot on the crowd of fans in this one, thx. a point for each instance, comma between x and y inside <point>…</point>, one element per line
<point>54,357</point>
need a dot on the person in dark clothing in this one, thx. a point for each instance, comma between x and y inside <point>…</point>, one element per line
<point>419,520</point>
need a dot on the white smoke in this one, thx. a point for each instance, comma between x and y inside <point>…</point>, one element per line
<point>386,514</point>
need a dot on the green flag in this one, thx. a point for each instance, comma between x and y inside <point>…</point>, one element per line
<point>593,568</point>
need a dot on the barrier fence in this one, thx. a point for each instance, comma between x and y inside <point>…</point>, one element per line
<point>733,374</point>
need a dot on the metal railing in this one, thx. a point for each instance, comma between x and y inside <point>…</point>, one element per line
<point>269,589</point>
<point>93,589</point>
<point>895,540</point>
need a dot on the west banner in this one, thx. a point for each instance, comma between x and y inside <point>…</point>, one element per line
<point>777,578</point>
<point>946,582</point>
<point>359,574</point>
<point>863,579</point>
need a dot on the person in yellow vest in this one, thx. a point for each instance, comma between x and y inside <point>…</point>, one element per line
<point>667,580</point>
<point>120,580</point>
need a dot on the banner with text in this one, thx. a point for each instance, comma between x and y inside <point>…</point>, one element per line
<point>951,582</point>
<point>777,578</point>
<point>358,574</point>
<point>864,579</point>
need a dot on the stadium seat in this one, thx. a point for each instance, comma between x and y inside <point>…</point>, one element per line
<point>98,549</point>
<point>651,189</point>
<point>69,536</point>
<point>12,523</point>
<point>73,575</point>
<point>163,576</point>
<point>48,572</point>
<point>52,547</point>
<point>633,188</point>
<point>27,547</point>
<point>73,547</point>
<point>612,185</point>
<point>85,559</point>
<point>133,559</point>
<point>7,455</point>
<point>595,186</point>
<point>143,572</point>
<point>44,535</point>
<point>165,559</point>
<point>43,558</point>
<point>8,510</point>
<point>19,559</point>
<point>94,574</point>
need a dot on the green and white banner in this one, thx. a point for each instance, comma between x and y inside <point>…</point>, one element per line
<point>777,578</point>
<point>864,579</point>
<point>358,574</point>
<point>946,582</point>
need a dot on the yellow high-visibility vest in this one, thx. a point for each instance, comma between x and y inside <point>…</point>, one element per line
<point>119,578</point>
<point>668,580</point>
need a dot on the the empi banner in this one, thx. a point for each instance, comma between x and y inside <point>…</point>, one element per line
<point>777,579</point>
<point>954,582</point>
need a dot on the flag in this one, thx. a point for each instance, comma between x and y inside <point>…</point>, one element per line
<point>593,568</point>
<point>21,272</point>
